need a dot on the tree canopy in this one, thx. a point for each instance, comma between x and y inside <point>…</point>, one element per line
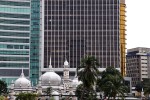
<point>3,87</point>
<point>111,83</point>
<point>26,96</point>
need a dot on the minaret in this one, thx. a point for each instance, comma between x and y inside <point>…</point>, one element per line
<point>66,80</point>
<point>66,70</point>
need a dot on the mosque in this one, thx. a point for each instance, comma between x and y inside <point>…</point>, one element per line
<point>60,86</point>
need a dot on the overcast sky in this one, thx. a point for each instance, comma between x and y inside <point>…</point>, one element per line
<point>138,23</point>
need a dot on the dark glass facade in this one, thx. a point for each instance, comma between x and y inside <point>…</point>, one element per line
<point>74,28</point>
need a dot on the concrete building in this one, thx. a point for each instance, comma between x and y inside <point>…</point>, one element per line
<point>138,65</point>
<point>74,28</point>
<point>14,38</point>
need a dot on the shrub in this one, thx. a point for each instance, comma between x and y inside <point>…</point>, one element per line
<point>2,98</point>
<point>26,96</point>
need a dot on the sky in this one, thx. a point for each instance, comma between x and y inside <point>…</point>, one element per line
<point>138,23</point>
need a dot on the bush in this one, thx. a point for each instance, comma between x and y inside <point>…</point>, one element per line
<point>26,96</point>
<point>2,98</point>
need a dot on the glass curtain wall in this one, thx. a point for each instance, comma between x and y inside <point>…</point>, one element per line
<point>14,38</point>
<point>74,28</point>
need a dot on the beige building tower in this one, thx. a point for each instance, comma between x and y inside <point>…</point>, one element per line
<point>138,67</point>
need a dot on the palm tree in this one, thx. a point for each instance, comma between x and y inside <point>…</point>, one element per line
<point>111,83</point>
<point>88,71</point>
<point>88,74</point>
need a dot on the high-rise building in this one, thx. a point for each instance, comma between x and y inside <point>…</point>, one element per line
<point>35,41</point>
<point>74,28</point>
<point>14,38</point>
<point>138,64</point>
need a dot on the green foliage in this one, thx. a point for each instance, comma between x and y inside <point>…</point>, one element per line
<point>88,74</point>
<point>52,98</point>
<point>88,71</point>
<point>84,93</point>
<point>146,86</point>
<point>49,91</point>
<point>2,98</point>
<point>26,96</point>
<point>139,87</point>
<point>111,83</point>
<point>3,87</point>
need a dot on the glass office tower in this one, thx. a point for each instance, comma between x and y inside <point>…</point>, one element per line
<point>34,41</point>
<point>74,28</point>
<point>14,38</point>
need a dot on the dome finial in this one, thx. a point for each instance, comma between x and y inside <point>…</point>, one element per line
<point>22,73</point>
<point>50,64</point>
<point>66,63</point>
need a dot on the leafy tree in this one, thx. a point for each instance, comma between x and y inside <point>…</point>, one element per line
<point>147,91</point>
<point>49,91</point>
<point>85,94</point>
<point>3,87</point>
<point>88,74</point>
<point>26,96</point>
<point>139,87</point>
<point>111,83</point>
<point>146,86</point>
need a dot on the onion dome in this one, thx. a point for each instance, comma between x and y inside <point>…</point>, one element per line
<point>50,78</point>
<point>22,82</point>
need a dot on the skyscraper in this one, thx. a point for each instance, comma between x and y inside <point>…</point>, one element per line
<point>74,28</point>
<point>35,41</point>
<point>14,38</point>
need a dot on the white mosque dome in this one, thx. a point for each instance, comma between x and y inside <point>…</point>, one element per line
<point>22,82</point>
<point>51,78</point>
<point>76,82</point>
